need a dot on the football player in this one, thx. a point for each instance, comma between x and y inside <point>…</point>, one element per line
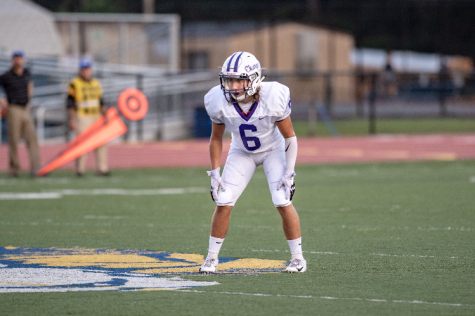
<point>258,116</point>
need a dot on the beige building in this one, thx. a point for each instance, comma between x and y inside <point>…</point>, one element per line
<point>285,48</point>
<point>128,39</point>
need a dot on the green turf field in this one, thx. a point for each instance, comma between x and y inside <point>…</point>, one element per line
<point>393,126</point>
<point>380,239</point>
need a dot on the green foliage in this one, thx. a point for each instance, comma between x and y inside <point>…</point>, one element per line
<point>399,232</point>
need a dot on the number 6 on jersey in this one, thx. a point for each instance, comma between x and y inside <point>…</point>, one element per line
<point>246,139</point>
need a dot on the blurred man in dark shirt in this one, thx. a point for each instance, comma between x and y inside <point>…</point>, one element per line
<point>19,89</point>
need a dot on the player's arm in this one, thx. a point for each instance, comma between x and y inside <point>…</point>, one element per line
<point>287,130</point>
<point>103,107</point>
<point>30,94</point>
<point>31,85</point>
<point>3,102</point>
<point>215,152</point>
<point>216,144</point>
<point>71,106</point>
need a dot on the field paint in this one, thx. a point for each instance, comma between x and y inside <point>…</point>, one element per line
<point>472,179</point>
<point>105,217</point>
<point>65,280</point>
<point>333,298</point>
<point>30,196</point>
<point>57,194</point>
<point>371,254</point>
<point>79,269</point>
<point>448,228</point>
<point>51,223</point>
<point>413,256</point>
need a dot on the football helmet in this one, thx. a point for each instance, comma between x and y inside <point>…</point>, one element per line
<point>244,66</point>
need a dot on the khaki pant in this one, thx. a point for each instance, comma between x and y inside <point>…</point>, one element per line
<point>101,153</point>
<point>20,124</point>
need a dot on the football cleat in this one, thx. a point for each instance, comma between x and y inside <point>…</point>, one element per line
<point>210,266</point>
<point>297,265</point>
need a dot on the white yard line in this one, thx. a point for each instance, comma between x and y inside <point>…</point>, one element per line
<point>333,298</point>
<point>371,254</point>
<point>30,196</point>
<point>76,224</point>
<point>57,194</point>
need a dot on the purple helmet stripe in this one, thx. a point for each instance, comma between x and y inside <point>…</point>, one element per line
<point>236,64</point>
<point>229,63</point>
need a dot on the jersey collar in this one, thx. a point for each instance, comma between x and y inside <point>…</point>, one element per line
<point>249,115</point>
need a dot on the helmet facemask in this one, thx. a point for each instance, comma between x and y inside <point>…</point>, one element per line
<point>240,66</point>
<point>233,95</point>
<point>251,83</point>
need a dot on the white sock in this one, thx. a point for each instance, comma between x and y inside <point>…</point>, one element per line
<point>296,248</point>
<point>214,247</point>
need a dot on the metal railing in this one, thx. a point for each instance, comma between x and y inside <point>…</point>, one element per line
<point>173,98</point>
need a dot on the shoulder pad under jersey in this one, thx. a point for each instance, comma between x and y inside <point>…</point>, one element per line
<point>214,101</point>
<point>276,97</point>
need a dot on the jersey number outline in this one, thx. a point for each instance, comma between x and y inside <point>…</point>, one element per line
<point>246,139</point>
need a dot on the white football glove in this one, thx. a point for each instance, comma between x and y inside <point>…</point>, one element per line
<point>216,182</point>
<point>287,181</point>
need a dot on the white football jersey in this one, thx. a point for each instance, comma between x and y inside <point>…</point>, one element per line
<point>255,132</point>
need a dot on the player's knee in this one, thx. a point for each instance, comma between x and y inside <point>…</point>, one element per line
<point>226,197</point>
<point>278,198</point>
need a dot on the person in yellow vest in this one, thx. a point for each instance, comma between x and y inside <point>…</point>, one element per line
<point>85,105</point>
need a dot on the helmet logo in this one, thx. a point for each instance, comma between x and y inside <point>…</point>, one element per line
<point>252,67</point>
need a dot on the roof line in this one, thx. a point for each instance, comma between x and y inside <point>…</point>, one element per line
<point>116,17</point>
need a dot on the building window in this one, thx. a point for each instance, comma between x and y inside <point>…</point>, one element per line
<point>198,60</point>
<point>307,51</point>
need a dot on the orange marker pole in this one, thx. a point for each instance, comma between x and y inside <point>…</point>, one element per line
<point>98,124</point>
<point>133,105</point>
<point>113,128</point>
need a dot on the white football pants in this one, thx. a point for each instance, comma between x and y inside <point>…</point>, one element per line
<point>240,167</point>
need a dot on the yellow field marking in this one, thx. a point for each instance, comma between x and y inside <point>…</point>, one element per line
<point>169,263</point>
<point>252,264</point>
<point>236,266</point>
<point>89,257</point>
